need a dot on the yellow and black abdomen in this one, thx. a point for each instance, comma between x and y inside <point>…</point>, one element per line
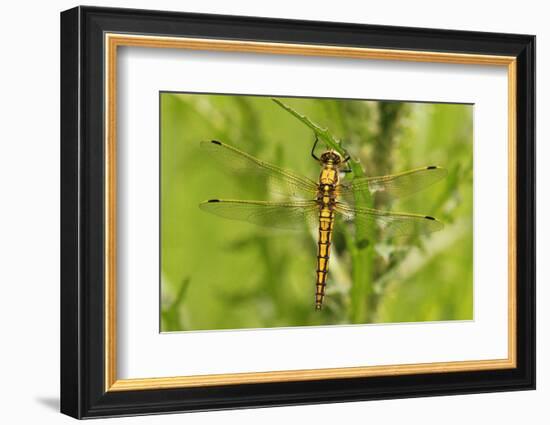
<point>327,197</point>
<point>326,224</point>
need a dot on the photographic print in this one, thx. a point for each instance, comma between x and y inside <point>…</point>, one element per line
<point>282,212</point>
<point>271,186</point>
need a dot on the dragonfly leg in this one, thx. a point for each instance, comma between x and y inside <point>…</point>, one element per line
<point>345,161</point>
<point>313,148</point>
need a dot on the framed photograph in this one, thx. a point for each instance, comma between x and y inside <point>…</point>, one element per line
<point>261,212</point>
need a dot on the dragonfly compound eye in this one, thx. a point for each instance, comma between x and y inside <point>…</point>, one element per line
<point>331,157</point>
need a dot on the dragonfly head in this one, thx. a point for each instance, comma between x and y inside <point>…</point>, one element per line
<point>331,157</point>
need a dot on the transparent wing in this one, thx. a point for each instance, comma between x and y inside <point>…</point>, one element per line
<point>243,164</point>
<point>391,224</point>
<point>283,215</point>
<point>394,185</point>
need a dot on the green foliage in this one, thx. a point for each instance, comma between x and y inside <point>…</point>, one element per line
<point>221,274</point>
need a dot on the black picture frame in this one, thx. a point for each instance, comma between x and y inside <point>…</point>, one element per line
<point>83,392</point>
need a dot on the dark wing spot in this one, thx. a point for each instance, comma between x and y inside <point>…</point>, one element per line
<point>431,167</point>
<point>429,217</point>
<point>213,200</point>
<point>216,142</point>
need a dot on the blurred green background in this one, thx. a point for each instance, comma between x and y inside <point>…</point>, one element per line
<point>223,274</point>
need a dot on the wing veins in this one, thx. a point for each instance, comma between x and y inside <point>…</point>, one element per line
<point>286,214</point>
<point>241,162</point>
<point>396,185</point>
<point>391,223</point>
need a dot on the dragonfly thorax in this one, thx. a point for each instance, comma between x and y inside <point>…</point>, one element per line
<point>328,179</point>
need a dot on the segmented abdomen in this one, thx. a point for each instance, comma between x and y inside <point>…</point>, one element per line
<point>326,224</point>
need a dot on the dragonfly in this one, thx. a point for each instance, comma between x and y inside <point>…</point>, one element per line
<point>318,203</point>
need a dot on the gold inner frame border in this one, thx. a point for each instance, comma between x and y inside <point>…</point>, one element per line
<point>113,40</point>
